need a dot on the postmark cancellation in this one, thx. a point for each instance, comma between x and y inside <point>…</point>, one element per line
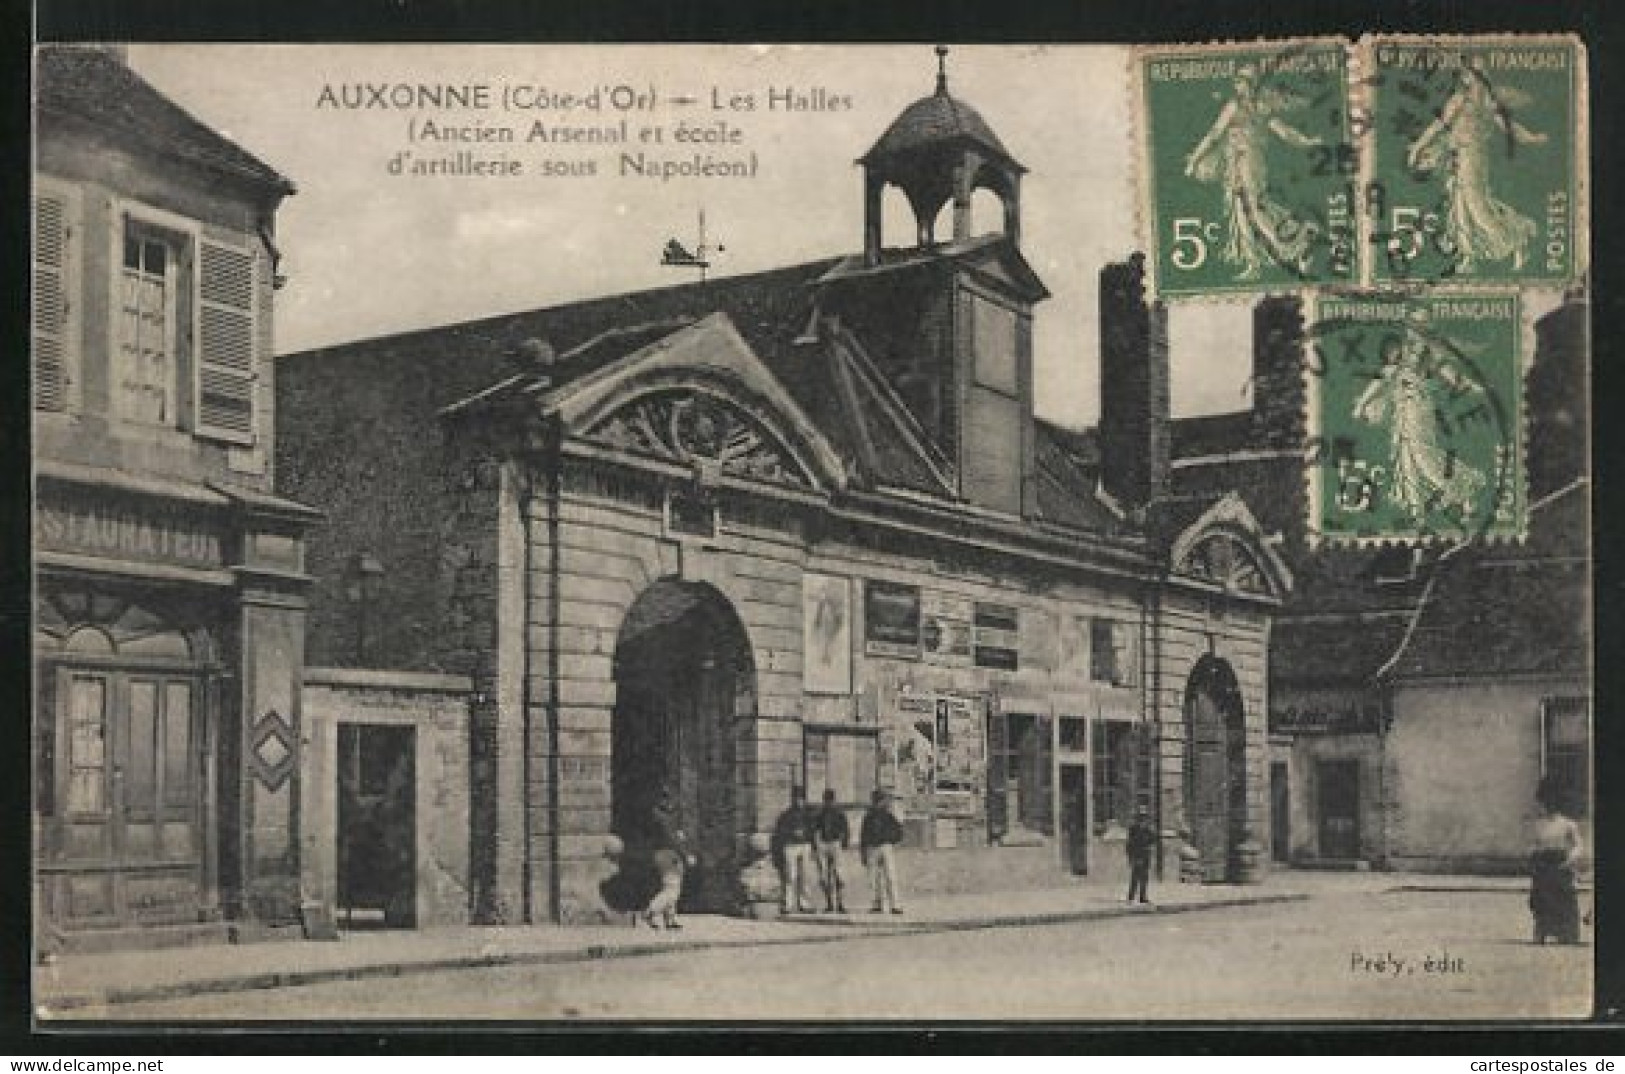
<point>1416,417</point>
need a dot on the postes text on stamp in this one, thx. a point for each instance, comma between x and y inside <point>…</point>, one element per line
<point>1476,160</point>
<point>1249,167</point>
<point>1416,417</point>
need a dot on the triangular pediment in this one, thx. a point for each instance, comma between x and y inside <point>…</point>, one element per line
<point>1002,265</point>
<point>700,397</point>
<point>1227,547</point>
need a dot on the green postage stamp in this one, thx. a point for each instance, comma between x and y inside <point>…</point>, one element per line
<point>1248,167</point>
<point>1416,429</point>
<point>1477,159</point>
<point>1297,165</point>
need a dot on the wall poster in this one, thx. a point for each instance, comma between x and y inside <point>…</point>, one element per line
<point>826,634</point>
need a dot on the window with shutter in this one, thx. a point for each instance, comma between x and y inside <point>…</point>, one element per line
<point>55,330</point>
<point>224,386</point>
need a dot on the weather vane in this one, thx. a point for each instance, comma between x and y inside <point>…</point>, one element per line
<point>676,255</point>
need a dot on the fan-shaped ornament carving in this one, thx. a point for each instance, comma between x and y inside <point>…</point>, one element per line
<point>1227,562</point>
<point>701,431</point>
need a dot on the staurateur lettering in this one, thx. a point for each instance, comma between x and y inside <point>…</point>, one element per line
<point>123,530</point>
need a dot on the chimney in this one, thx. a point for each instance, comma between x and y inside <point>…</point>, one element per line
<point>1134,433</point>
<point>1558,407</point>
<point>1278,370</point>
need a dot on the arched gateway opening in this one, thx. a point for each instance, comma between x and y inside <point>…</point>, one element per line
<point>685,688</point>
<point>1215,767</point>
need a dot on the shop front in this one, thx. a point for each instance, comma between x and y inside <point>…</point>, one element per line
<point>168,643</point>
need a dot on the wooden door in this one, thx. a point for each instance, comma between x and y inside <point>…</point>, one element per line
<point>1075,816</point>
<point>1210,788</point>
<point>1339,801</point>
<point>127,846</point>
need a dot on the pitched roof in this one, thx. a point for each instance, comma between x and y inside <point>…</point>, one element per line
<point>1501,610</point>
<point>92,85</point>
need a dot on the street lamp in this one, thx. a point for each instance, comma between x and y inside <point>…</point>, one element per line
<point>362,575</point>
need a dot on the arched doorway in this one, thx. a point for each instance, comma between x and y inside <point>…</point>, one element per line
<point>1215,767</point>
<point>685,684</point>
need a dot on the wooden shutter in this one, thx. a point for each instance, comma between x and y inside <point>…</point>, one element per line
<point>225,366</point>
<point>55,335</point>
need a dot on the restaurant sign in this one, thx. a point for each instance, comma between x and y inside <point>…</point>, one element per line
<point>125,527</point>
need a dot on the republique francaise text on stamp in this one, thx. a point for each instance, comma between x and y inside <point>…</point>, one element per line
<point>1476,160</point>
<point>1416,407</point>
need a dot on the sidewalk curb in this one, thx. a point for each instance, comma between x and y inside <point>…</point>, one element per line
<point>838,930</point>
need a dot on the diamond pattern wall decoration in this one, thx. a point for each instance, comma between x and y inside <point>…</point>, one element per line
<point>273,751</point>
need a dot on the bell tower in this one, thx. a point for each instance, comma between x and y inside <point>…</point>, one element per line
<point>939,150</point>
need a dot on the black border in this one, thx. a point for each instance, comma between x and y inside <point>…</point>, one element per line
<point>1599,23</point>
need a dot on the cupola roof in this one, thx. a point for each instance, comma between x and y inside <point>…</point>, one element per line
<point>936,121</point>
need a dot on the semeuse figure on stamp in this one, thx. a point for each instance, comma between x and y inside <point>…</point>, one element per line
<point>792,850</point>
<point>1233,153</point>
<point>671,860</point>
<point>1554,898</point>
<point>1458,144</point>
<point>1424,472</point>
<point>877,845</point>
<point>1142,840</point>
<point>831,836</point>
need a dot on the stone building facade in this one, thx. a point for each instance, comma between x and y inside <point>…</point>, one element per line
<point>170,585</point>
<point>799,528</point>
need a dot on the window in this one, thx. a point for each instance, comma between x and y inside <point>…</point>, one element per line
<point>1565,754</point>
<point>842,761</point>
<point>147,352</point>
<point>55,335</point>
<point>184,330</point>
<point>1021,778</point>
<point>1115,763</point>
<point>994,420</point>
<point>1113,654</point>
<point>993,332</point>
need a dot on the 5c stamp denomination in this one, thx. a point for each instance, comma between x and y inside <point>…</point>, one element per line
<point>1476,160</point>
<point>1416,417</point>
<point>1248,157</point>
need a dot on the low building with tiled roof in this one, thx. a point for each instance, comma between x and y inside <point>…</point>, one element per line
<point>1417,695</point>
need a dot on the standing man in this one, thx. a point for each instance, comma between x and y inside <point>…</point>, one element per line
<point>877,844</point>
<point>1142,839</point>
<point>792,836</point>
<point>831,837</point>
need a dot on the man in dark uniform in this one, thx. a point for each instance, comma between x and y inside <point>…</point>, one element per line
<point>877,842</point>
<point>831,837</point>
<point>792,849</point>
<point>1142,840</point>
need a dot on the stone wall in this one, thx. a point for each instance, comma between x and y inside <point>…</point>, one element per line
<point>436,706</point>
<point>1189,628</point>
<point>1306,753</point>
<point>603,542</point>
<point>1462,766</point>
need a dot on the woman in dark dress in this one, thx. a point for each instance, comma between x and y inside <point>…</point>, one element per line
<point>1553,894</point>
